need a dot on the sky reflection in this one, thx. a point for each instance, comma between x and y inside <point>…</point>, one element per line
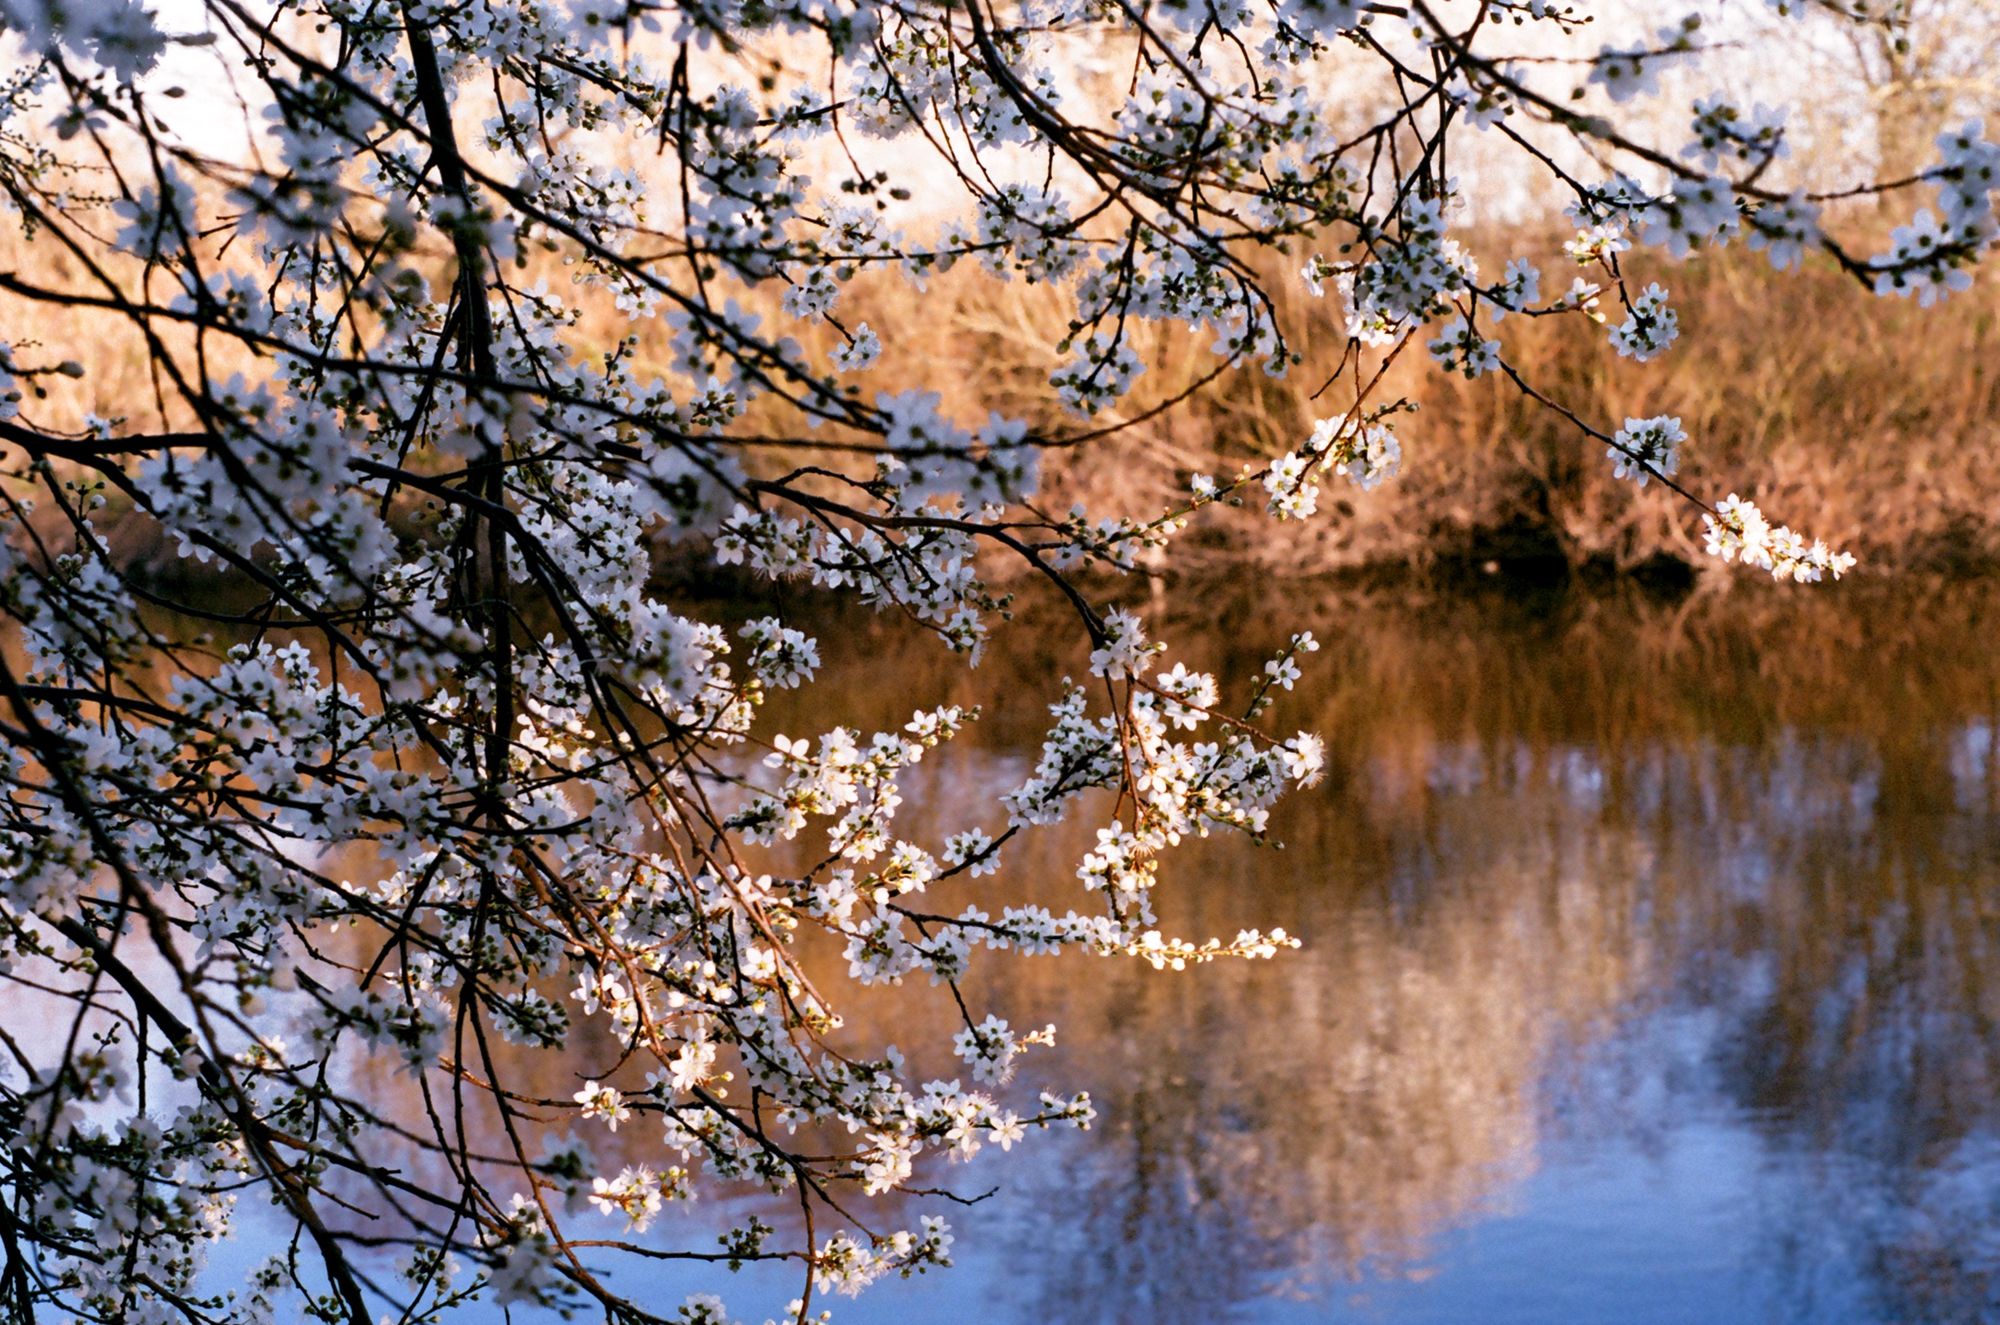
<point>1652,975</point>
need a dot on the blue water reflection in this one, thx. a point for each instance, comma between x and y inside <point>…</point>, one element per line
<point>1653,976</point>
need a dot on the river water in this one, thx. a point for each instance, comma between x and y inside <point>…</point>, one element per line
<point>1652,974</point>
<point>1651,977</point>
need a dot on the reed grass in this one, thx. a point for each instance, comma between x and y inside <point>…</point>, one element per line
<point>1865,421</point>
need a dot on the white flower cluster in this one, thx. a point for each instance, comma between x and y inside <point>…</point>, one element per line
<point>1629,71</point>
<point>1650,327</point>
<point>1411,278</point>
<point>1645,447</point>
<point>1366,453</point>
<point>1738,531</point>
<point>1723,130</point>
<point>1461,349</point>
<point>1929,257</point>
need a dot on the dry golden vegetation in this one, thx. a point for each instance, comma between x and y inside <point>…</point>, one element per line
<point>1867,422</point>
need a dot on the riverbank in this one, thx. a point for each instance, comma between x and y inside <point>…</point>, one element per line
<point>1864,421</point>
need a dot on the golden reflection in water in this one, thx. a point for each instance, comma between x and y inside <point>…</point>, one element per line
<point>1545,827</point>
<point>1555,835</point>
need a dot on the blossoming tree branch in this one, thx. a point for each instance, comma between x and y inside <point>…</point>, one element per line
<point>467,796</point>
